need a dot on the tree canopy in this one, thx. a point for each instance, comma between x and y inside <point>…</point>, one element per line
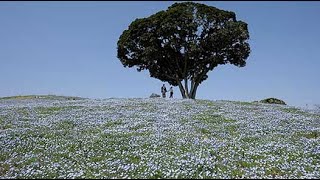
<point>183,43</point>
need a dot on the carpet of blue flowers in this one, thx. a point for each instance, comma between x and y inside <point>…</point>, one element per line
<point>157,138</point>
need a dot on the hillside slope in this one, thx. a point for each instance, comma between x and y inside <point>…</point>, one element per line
<point>156,138</point>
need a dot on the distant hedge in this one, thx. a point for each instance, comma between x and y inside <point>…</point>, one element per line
<point>273,101</point>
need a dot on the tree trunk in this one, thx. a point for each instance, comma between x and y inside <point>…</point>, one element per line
<point>193,91</point>
<point>183,94</point>
<point>186,91</point>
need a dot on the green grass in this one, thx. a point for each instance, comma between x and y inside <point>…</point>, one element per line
<point>110,124</point>
<point>245,103</point>
<point>23,111</point>
<point>47,111</point>
<point>3,124</point>
<point>216,125</point>
<point>308,135</point>
<point>209,118</point>
<point>4,168</point>
<point>66,125</point>
<point>137,127</point>
<point>294,110</point>
<point>50,97</point>
<point>18,97</point>
<point>274,171</point>
<point>212,105</point>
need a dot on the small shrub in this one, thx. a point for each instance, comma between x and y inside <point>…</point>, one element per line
<point>273,101</point>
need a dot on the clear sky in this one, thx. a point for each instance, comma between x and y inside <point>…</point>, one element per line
<point>70,48</point>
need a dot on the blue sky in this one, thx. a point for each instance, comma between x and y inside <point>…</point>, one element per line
<point>69,48</point>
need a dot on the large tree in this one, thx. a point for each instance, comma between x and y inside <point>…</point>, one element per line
<point>182,44</point>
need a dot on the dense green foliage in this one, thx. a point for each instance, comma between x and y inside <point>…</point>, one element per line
<point>273,101</point>
<point>184,43</point>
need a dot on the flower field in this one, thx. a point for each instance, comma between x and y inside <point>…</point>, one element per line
<point>156,138</point>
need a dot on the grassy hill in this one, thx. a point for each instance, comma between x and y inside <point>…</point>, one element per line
<point>156,138</point>
<point>47,97</point>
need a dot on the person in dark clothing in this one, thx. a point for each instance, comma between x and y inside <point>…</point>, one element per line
<point>163,91</point>
<point>171,92</point>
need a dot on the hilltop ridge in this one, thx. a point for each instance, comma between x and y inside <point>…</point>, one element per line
<point>48,97</point>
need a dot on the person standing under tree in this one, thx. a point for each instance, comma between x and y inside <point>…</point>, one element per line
<point>163,91</point>
<point>171,92</point>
